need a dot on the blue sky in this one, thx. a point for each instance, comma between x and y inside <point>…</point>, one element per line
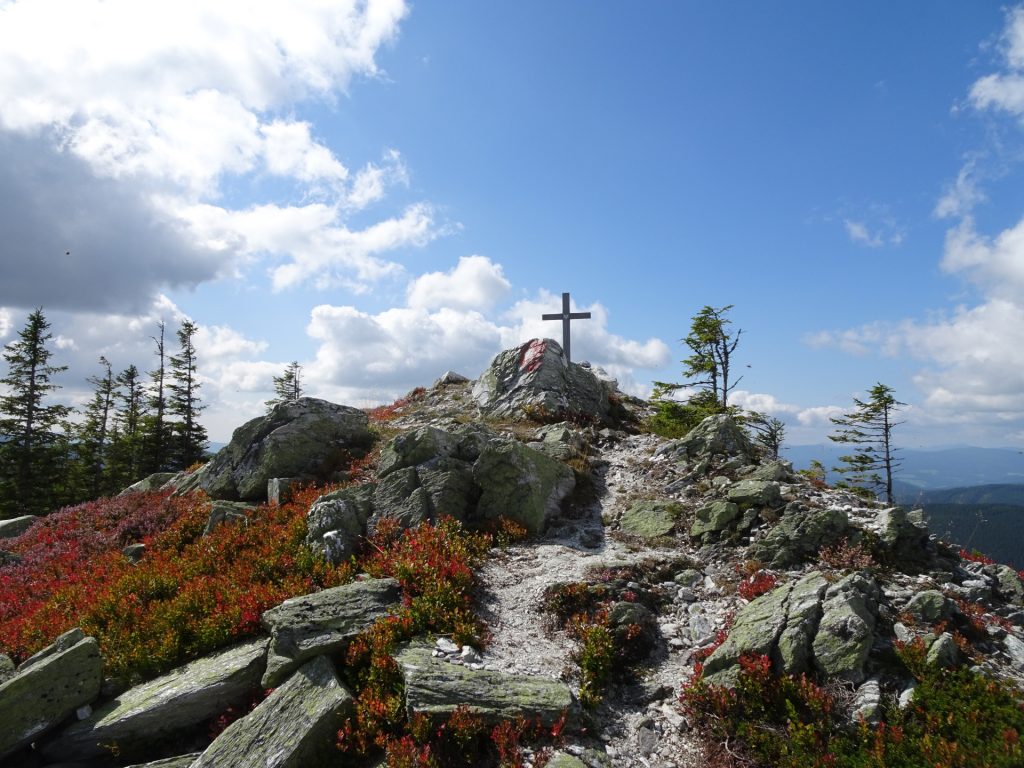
<point>384,191</point>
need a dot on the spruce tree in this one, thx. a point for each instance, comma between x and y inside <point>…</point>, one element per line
<point>154,425</point>
<point>29,425</point>
<point>189,435</point>
<point>126,436</point>
<point>287,386</point>
<point>869,427</point>
<point>94,432</point>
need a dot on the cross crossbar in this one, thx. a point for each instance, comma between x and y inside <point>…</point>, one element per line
<point>566,316</point>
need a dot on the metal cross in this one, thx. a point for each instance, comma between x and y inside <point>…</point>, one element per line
<point>565,316</point>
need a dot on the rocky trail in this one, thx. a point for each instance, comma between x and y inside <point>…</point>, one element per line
<point>638,724</point>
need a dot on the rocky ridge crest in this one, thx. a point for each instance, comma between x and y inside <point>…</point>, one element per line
<point>692,520</point>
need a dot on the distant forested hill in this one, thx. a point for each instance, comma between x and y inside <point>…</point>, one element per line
<point>996,530</point>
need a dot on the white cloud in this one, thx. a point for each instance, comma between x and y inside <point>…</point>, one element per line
<point>143,110</point>
<point>6,322</point>
<point>996,264</point>
<point>886,234</point>
<point>379,356</point>
<point>177,91</point>
<point>962,195</point>
<point>312,240</point>
<point>290,150</point>
<point>474,283</point>
<point>1005,90</point>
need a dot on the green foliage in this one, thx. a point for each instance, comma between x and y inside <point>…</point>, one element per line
<point>768,432</point>
<point>674,419</point>
<point>956,719</point>
<point>287,386</point>
<point>188,435</point>
<point>869,427</point>
<point>29,425</point>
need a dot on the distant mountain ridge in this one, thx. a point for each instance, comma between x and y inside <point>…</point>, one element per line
<point>944,468</point>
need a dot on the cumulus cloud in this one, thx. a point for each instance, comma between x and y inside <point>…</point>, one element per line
<point>375,356</point>
<point>120,121</point>
<point>6,323</point>
<point>474,283</point>
<point>996,264</point>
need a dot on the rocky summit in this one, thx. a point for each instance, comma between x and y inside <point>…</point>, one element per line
<point>694,560</point>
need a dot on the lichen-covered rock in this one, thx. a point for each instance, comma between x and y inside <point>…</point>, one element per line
<point>172,702</point>
<point>846,630</point>
<point>6,667</point>
<point>520,484</point>
<point>718,434</point>
<point>293,728</point>
<point>930,606</point>
<point>1009,583</point>
<point>755,630</point>
<point>436,688</point>
<point>307,438</point>
<point>337,520</point>
<point>16,526</point>
<point>323,623</point>
<point>943,652</point>
<point>773,470</point>
<point>803,616</point>
<point>781,625</point>
<point>416,447</point>
<point>534,380</point>
<point>399,497</point>
<point>47,688</point>
<point>651,518</point>
<point>800,535</point>
<point>153,482</point>
<point>754,493</point>
<point>229,512</point>
<point>181,761</point>
<point>450,489</point>
<point>714,518</point>
<point>905,536</point>
<point>565,760</point>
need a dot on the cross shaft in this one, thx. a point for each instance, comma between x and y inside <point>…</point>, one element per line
<point>566,316</point>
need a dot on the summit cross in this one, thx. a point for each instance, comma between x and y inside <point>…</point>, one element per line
<point>565,316</point>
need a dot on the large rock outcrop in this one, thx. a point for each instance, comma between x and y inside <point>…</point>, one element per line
<point>534,380</point>
<point>47,688</point>
<point>308,439</point>
<point>804,626</point>
<point>471,474</point>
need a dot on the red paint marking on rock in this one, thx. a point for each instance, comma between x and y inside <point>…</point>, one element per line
<point>532,355</point>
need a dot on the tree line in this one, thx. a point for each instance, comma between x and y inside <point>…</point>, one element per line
<point>133,425</point>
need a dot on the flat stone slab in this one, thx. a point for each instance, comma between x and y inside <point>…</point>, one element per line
<point>323,623</point>
<point>16,526</point>
<point>182,698</point>
<point>47,688</point>
<point>434,687</point>
<point>651,518</point>
<point>181,761</point>
<point>295,727</point>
